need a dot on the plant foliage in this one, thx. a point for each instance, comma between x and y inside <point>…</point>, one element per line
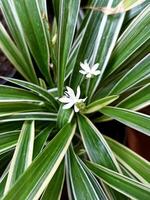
<point>48,140</point>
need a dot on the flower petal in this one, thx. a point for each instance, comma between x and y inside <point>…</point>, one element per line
<point>64,99</point>
<point>94,67</point>
<point>84,99</point>
<point>97,72</point>
<point>78,92</point>
<point>76,109</point>
<point>68,105</point>
<point>85,66</point>
<point>70,92</point>
<point>83,72</point>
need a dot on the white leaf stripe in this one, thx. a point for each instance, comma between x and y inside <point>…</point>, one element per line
<point>136,34</point>
<point>127,186</point>
<point>35,88</point>
<point>15,27</point>
<point>110,161</point>
<point>138,121</point>
<point>22,157</point>
<point>76,168</point>
<point>36,178</point>
<point>40,116</point>
<point>13,53</point>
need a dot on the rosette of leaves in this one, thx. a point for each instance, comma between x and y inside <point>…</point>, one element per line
<point>45,148</point>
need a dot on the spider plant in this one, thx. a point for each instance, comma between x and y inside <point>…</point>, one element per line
<point>79,69</point>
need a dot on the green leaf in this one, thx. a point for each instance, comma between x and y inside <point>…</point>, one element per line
<point>138,121</point>
<point>33,27</point>
<point>131,4</point>
<point>36,89</point>
<point>104,45</point>
<point>8,107</point>
<point>81,186</point>
<point>88,32</point>
<point>12,94</point>
<point>36,178</point>
<point>98,188</point>
<point>138,100</point>
<point>137,165</point>
<point>3,180</point>
<point>68,13</point>
<point>64,116</point>
<point>122,7</point>
<point>123,184</point>
<point>8,140</point>
<point>135,11</point>
<point>6,127</point>
<point>73,55</point>
<point>56,8</point>
<point>138,73</point>
<point>22,157</point>
<point>40,116</point>
<point>40,140</point>
<point>136,34</point>
<point>54,189</point>
<point>97,105</point>
<point>16,30</point>
<point>95,144</point>
<point>97,148</point>
<point>44,15</point>
<point>14,55</point>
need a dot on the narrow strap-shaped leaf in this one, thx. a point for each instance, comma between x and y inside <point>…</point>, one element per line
<point>8,107</point>
<point>5,159</point>
<point>15,27</point>
<point>6,127</point>
<point>56,8</point>
<point>123,184</point>
<point>135,11</point>
<point>110,26</point>
<point>40,116</point>
<point>54,189</point>
<point>36,178</point>
<point>88,31</point>
<point>73,54</point>
<point>22,157</point>
<point>138,73</point>
<point>8,140</point>
<point>13,54</point>
<point>138,100</point>
<point>130,160</point>
<point>68,13</point>
<point>81,185</point>
<point>35,88</point>
<point>136,34</point>
<point>64,116</point>
<point>138,121</point>
<point>97,105</point>
<point>98,188</point>
<point>33,27</point>
<point>97,148</point>
<point>2,186</point>
<point>95,144</point>
<point>12,94</point>
<point>44,15</point>
<point>3,180</point>
<point>40,140</point>
<point>131,4</point>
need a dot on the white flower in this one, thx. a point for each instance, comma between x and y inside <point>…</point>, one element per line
<point>70,99</point>
<point>88,70</point>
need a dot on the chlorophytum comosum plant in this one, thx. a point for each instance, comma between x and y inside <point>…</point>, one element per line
<point>84,66</point>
